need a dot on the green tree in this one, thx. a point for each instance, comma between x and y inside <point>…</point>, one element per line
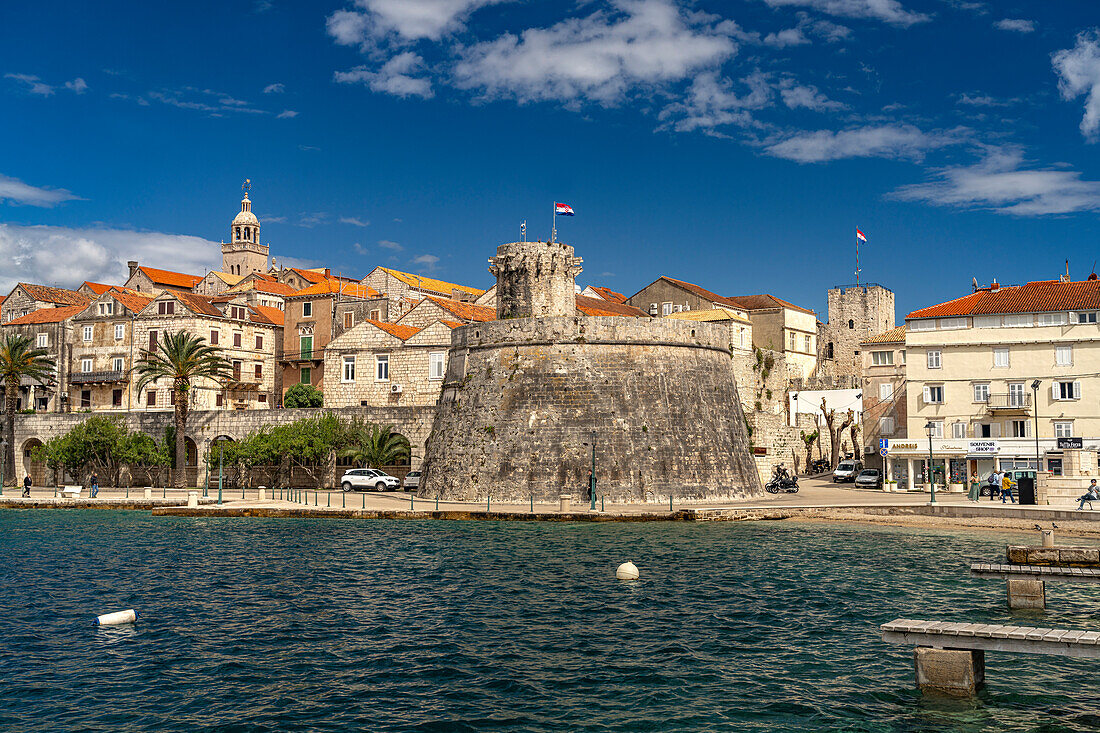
<point>19,359</point>
<point>303,395</point>
<point>182,358</point>
<point>375,446</point>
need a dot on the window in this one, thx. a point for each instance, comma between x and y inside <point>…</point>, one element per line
<point>259,343</point>
<point>237,340</point>
<point>236,371</point>
<point>382,367</point>
<point>120,331</point>
<point>902,355</point>
<point>116,398</point>
<point>1017,396</point>
<point>1019,320</point>
<point>306,375</point>
<point>1066,390</point>
<point>934,360</point>
<point>1021,428</point>
<point>851,324</point>
<point>152,341</point>
<point>981,392</point>
<point>87,333</point>
<point>151,398</point>
<point>1086,317</point>
<point>307,309</point>
<point>118,364</point>
<point>349,319</point>
<point>933,395</point>
<point>214,336</point>
<point>166,307</point>
<point>1063,428</point>
<point>885,391</point>
<point>259,372</point>
<point>106,309</point>
<point>86,365</point>
<point>950,324</point>
<point>305,347</point>
<point>937,428</point>
<point>376,315</point>
<point>85,398</point>
<point>958,430</point>
<point>435,364</point>
<point>349,369</point>
<point>886,425</point>
<point>263,397</point>
<point>882,358</point>
<point>218,400</point>
<point>923,324</point>
<point>1063,355</point>
<point>791,339</point>
<point>1051,319</point>
<point>666,309</point>
<point>43,340</point>
<point>807,346</point>
<point>987,321</point>
<point>1000,358</point>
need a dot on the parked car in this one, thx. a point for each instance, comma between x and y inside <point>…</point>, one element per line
<point>847,470</point>
<point>362,479</point>
<point>412,481</point>
<point>869,478</point>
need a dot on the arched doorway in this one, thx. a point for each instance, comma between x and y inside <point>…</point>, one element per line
<point>37,470</point>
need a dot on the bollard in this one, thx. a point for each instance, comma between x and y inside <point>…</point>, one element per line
<point>486,502</point>
<point>532,503</point>
<point>148,492</point>
<point>316,499</point>
<point>411,499</point>
<point>192,498</point>
<point>263,494</point>
<point>601,502</point>
<point>242,492</point>
<point>566,501</point>
<point>364,501</point>
<point>670,502</point>
<point>164,493</point>
<point>343,500</point>
<point>127,492</point>
<point>437,502</point>
<point>329,499</point>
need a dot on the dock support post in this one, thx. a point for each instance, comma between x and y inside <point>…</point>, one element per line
<point>1026,593</point>
<point>954,672</point>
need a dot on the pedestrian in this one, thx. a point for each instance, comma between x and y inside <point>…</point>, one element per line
<point>1006,489</point>
<point>1091,495</point>
<point>995,485</point>
<point>95,484</point>
<point>26,487</point>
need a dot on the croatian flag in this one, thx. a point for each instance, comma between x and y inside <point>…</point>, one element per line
<point>861,236</point>
<point>563,209</point>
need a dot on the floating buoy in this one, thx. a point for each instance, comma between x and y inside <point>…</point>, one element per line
<point>627,571</point>
<point>118,617</point>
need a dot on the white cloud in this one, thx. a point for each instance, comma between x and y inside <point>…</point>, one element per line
<point>77,85</point>
<point>427,261</point>
<point>876,141</point>
<point>1001,183</point>
<point>889,11</point>
<point>396,77</point>
<point>286,114</point>
<point>67,257</point>
<point>403,20</point>
<point>274,88</point>
<point>712,102</point>
<point>796,95</point>
<point>387,244</point>
<point>984,100</point>
<point>599,57</point>
<point>1019,25</point>
<point>788,37</point>
<point>830,31</point>
<point>354,221</point>
<point>1079,73</point>
<point>37,86</point>
<point>312,219</point>
<point>14,191</point>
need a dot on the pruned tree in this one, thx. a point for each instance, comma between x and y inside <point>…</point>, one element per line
<point>835,430</point>
<point>809,439</point>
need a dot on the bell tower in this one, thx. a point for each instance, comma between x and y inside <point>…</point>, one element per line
<point>243,254</point>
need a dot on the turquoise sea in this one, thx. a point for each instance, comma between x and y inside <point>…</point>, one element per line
<point>326,625</point>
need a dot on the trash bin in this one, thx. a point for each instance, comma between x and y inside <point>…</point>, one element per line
<point>1026,487</point>
<point>975,489</point>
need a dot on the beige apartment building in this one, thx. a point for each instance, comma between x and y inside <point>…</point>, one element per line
<point>885,407</point>
<point>1005,377</point>
<point>102,351</point>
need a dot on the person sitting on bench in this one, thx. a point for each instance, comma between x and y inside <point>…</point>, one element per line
<point>1093,494</point>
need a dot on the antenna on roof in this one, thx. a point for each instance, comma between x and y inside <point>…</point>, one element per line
<point>974,283</point>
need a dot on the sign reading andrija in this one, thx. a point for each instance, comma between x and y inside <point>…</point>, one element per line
<point>983,447</point>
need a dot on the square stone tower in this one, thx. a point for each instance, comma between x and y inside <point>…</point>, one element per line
<point>535,279</point>
<point>856,313</point>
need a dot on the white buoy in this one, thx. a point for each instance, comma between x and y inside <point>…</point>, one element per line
<point>627,571</point>
<point>118,617</point>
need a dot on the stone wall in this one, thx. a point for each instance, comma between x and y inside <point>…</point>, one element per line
<point>535,279</point>
<point>856,313</point>
<point>524,398</point>
<point>409,367</point>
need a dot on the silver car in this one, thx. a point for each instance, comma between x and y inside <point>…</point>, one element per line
<point>869,478</point>
<point>412,481</point>
<point>362,479</point>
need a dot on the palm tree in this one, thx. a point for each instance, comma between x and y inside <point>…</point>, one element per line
<point>182,358</point>
<point>18,359</point>
<point>376,446</point>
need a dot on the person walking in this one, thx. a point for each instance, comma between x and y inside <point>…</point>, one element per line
<point>995,484</point>
<point>95,484</point>
<point>27,487</point>
<point>1006,489</point>
<point>1091,495</point>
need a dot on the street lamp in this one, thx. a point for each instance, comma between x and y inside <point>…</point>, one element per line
<point>592,474</point>
<point>3,458</point>
<point>217,440</point>
<point>206,481</point>
<point>1035,402</point>
<point>930,428</point>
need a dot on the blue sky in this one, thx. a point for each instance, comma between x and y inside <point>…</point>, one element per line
<point>736,144</point>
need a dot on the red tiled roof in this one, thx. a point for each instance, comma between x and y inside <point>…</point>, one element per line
<point>198,304</point>
<point>171,279</point>
<point>97,288</point>
<point>311,276</point>
<point>47,315</point>
<point>611,295</point>
<point>62,296</point>
<point>893,336</point>
<point>264,286</point>
<point>395,329</point>
<point>704,293</point>
<point>451,324</point>
<point>1042,296</point>
<point>765,301</point>
<point>346,289</point>
<point>465,311</point>
<point>597,307</point>
<point>273,315</point>
<point>133,301</point>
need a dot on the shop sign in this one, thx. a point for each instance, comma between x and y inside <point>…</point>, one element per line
<point>984,447</point>
<point>1070,443</point>
<point>901,446</point>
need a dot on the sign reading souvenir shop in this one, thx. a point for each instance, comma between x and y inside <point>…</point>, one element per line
<point>977,448</point>
<point>1064,443</point>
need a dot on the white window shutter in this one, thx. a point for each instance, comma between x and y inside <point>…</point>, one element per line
<point>927,395</point>
<point>1076,390</point>
<point>1027,428</point>
<point>995,430</point>
<point>1054,392</point>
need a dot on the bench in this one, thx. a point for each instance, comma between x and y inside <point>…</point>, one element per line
<point>1027,583</point>
<point>71,492</point>
<point>950,657</point>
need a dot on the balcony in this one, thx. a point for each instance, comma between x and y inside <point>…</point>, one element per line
<point>98,377</point>
<point>1007,404</point>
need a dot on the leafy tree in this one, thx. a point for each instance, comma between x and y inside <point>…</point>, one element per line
<point>303,395</point>
<point>376,446</point>
<point>101,444</point>
<point>809,439</point>
<point>19,359</point>
<point>181,358</point>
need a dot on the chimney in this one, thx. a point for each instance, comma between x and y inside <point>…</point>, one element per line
<point>1065,278</point>
<point>993,285</point>
<point>133,265</point>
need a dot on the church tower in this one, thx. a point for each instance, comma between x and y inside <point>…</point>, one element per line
<point>243,254</point>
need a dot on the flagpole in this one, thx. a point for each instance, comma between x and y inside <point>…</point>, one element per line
<point>554,224</point>
<point>857,259</point>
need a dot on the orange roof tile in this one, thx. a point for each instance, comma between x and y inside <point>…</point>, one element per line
<point>893,336</point>
<point>765,301</point>
<point>198,304</point>
<point>611,295</point>
<point>345,288</point>
<point>62,296</point>
<point>464,311</point>
<point>1043,296</point>
<point>97,288</point>
<point>703,293</point>
<point>442,287</point>
<point>171,279</point>
<point>398,330</point>
<point>313,276</point>
<point>597,307</point>
<point>263,286</point>
<point>134,301</point>
<point>274,315</point>
<point>47,315</point>
<point>451,324</point>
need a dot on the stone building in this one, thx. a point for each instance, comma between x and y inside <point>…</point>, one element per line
<point>102,352</point>
<point>738,326</point>
<point>665,296</point>
<point>243,254</point>
<point>885,412</point>
<point>51,329</point>
<point>607,294</point>
<point>270,293</point>
<point>216,283</point>
<point>432,308</point>
<point>151,280</point>
<point>405,290</point>
<point>25,298</point>
<point>528,404</point>
<point>856,313</point>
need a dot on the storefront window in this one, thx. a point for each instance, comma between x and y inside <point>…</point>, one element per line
<point>958,471</point>
<point>1055,466</point>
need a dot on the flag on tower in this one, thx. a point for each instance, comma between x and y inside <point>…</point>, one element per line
<point>563,209</point>
<point>860,235</point>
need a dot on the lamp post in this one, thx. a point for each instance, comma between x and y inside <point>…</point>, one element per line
<point>930,427</point>
<point>3,468</point>
<point>220,472</point>
<point>1035,403</point>
<point>592,475</point>
<point>206,481</point>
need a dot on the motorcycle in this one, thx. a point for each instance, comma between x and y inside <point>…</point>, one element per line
<point>782,481</point>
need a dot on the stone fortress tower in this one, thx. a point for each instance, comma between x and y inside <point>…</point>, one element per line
<point>243,254</point>
<point>531,399</point>
<point>856,313</point>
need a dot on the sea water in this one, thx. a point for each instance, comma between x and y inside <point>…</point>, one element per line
<point>325,625</point>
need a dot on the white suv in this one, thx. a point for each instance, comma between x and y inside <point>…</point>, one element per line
<point>368,478</point>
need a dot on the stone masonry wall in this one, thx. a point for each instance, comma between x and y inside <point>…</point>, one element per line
<point>869,309</point>
<point>535,279</point>
<point>524,398</point>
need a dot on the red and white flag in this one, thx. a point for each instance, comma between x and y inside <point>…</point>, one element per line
<point>860,235</point>
<point>563,209</point>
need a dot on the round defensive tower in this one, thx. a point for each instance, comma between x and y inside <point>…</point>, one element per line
<point>527,400</point>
